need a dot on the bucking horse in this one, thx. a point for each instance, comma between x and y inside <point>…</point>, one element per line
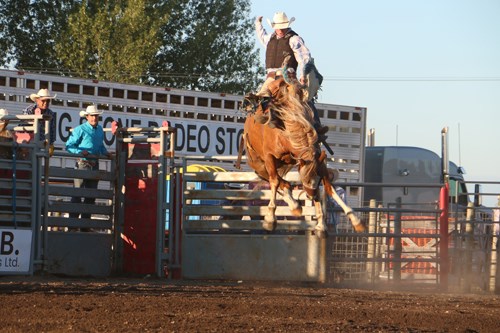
<point>278,136</point>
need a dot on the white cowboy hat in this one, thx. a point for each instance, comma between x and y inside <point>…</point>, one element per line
<point>280,21</point>
<point>3,112</point>
<point>43,94</point>
<point>91,109</point>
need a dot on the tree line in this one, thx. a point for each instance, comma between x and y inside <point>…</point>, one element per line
<point>187,44</point>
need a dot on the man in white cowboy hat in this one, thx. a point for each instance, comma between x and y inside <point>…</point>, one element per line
<point>87,139</point>
<point>42,101</point>
<point>280,44</point>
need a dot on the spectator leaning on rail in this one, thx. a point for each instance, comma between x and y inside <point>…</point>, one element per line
<point>280,44</point>
<point>4,132</point>
<point>42,103</point>
<point>9,151</point>
<point>5,136</point>
<point>87,139</point>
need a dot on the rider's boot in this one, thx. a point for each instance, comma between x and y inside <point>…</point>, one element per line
<point>321,130</point>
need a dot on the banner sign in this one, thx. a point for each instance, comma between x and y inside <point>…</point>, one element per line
<point>194,137</point>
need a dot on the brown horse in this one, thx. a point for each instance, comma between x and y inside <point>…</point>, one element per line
<point>291,140</point>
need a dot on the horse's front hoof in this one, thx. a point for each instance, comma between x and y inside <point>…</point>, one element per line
<point>360,227</point>
<point>269,226</point>
<point>321,234</point>
<point>297,211</point>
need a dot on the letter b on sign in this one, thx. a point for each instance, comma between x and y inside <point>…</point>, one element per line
<point>6,239</point>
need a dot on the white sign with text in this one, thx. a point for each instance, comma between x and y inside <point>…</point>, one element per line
<point>194,136</point>
<point>15,250</point>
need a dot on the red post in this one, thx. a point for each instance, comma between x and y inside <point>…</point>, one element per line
<point>443,230</point>
<point>141,202</point>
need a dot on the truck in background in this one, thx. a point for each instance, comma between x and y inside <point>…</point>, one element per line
<point>406,165</point>
<point>410,179</point>
<point>410,165</point>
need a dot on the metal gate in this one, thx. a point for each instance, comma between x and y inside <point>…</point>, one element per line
<point>146,235</point>
<point>223,237</point>
<point>36,209</point>
<point>23,182</point>
<point>79,236</point>
<point>43,231</point>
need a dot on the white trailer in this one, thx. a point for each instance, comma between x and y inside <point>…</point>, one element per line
<point>208,124</point>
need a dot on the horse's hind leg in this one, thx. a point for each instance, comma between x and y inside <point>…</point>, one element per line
<point>270,217</point>
<point>274,182</point>
<point>320,229</point>
<point>330,191</point>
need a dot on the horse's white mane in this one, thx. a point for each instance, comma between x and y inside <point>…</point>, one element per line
<point>298,120</point>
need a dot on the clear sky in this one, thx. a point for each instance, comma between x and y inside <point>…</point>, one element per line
<point>416,65</point>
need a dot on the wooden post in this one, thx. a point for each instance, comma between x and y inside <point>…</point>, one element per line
<point>495,267</point>
<point>378,249</point>
<point>494,273</point>
<point>469,245</point>
<point>372,241</point>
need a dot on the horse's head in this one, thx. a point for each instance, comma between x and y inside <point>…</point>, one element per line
<point>252,103</point>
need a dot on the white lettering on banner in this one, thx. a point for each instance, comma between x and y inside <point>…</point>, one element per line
<point>194,136</point>
<point>15,250</point>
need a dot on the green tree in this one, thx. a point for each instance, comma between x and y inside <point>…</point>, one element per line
<point>28,30</point>
<point>188,44</point>
<point>115,41</point>
<point>209,45</point>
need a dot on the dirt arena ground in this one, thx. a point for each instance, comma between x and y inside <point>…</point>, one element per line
<point>36,304</point>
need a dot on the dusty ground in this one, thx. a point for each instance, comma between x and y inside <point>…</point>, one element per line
<point>36,304</point>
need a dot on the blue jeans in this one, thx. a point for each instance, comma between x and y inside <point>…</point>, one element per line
<point>84,183</point>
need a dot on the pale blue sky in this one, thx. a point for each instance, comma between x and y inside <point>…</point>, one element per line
<point>416,65</point>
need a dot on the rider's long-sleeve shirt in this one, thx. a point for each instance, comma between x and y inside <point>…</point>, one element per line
<point>300,51</point>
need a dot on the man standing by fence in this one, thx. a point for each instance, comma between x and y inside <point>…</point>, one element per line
<point>87,140</point>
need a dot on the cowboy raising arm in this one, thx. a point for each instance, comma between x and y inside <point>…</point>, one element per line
<point>281,44</point>
<point>281,26</point>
